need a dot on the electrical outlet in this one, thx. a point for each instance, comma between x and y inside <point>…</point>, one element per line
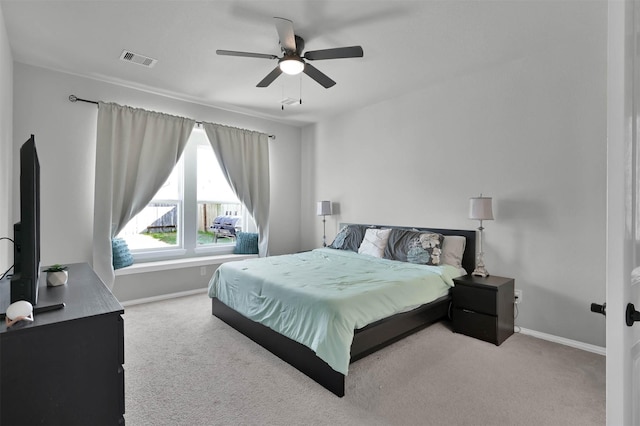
<point>203,271</point>
<point>517,296</point>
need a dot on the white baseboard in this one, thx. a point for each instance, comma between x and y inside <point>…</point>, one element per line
<point>544,336</point>
<point>163,297</point>
<point>567,342</point>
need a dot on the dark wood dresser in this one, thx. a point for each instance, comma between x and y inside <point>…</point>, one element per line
<point>65,367</point>
<point>483,307</point>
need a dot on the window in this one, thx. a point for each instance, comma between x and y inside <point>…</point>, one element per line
<point>194,213</point>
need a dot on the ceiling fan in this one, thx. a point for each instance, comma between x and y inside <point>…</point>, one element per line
<point>293,61</point>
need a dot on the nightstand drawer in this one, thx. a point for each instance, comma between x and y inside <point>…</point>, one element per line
<point>474,324</point>
<point>475,299</point>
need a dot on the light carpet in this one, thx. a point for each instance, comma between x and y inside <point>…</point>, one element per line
<point>183,366</point>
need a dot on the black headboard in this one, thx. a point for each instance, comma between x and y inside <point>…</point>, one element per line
<point>469,256</point>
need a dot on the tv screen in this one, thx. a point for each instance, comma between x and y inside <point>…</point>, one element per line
<point>26,233</point>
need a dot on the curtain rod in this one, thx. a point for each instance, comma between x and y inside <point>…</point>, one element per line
<point>74,98</point>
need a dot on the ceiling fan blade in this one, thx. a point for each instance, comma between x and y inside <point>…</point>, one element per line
<point>270,77</point>
<point>246,54</point>
<point>318,76</point>
<point>337,53</point>
<point>286,34</point>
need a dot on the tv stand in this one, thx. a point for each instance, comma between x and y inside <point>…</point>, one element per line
<point>65,367</point>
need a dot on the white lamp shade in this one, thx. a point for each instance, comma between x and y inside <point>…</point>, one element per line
<point>480,208</point>
<point>324,208</point>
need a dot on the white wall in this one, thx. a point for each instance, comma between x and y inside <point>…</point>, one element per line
<point>6,146</point>
<point>531,133</point>
<point>65,136</point>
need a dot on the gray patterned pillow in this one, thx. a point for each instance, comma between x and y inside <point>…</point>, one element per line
<point>414,247</point>
<point>349,238</point>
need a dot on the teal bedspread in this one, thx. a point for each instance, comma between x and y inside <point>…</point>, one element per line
<point>319,298</point>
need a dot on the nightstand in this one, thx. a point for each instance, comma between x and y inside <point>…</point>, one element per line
<point>483,307</point>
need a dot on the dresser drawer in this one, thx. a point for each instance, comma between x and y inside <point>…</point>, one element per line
<point>474,324</point>
<point>475,299</point>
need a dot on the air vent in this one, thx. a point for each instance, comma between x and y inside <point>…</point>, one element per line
<point>145,61</point>
<point>290,101</point>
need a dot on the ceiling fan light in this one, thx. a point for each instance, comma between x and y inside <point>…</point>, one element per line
<point>291,66</point>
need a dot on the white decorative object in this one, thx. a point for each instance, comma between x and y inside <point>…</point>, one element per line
<point>324,209</point>
<point>480,208</point>
<point>57,278</point>
<point>19,311</point>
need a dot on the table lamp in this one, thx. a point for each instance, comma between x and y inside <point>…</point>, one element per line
<point>480,209</point>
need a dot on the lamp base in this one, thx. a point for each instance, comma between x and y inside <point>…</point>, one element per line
<point>480,271</point>
<point>324,231</point>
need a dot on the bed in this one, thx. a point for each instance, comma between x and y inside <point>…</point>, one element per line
<point>321,310</point>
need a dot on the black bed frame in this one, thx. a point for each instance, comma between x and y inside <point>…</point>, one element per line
<point>365,340</point>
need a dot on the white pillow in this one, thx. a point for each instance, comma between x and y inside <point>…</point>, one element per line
<point>374,242</point>
<point>453,249</point>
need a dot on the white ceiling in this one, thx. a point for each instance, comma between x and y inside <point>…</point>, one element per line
<point>407,45</point>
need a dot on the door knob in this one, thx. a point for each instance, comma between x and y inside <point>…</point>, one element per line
<point>599,309</point>
<point>632,315</point>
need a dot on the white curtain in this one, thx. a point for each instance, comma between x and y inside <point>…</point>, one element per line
<point>136,151</point>
<point>243,156</point>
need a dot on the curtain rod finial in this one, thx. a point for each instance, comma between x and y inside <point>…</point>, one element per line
<point>73,98</point>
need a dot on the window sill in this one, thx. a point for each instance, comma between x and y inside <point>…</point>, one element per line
<point>163,265</point>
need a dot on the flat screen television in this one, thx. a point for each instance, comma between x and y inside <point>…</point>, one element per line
<point>26,232</point>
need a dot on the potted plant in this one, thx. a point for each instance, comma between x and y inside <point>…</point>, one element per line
<point>57,275</point>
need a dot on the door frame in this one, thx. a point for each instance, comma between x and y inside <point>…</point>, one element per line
<point>621,133</point>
